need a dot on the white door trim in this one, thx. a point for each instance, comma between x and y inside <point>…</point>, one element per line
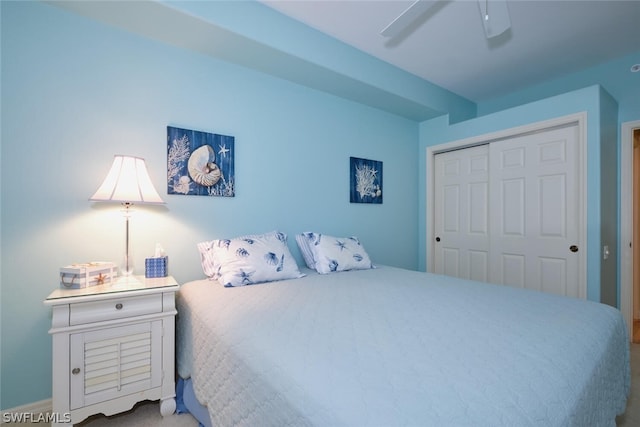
<point>626,222</point>
<point>580,119</point>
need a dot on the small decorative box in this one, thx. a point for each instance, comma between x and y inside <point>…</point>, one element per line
<point>77,276</point>
<point>156,267</point>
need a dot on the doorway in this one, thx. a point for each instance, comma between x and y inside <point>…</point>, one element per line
<point>636,236</point>
<point>630,227</point>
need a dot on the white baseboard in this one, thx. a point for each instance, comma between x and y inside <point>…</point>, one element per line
<point>41,407</point>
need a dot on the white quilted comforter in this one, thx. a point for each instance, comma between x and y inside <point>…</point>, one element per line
<point>392,347</point>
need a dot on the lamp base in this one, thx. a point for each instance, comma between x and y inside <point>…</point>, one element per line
<point>127,261</point>
<point>126,282</point>
<point>126,269</point>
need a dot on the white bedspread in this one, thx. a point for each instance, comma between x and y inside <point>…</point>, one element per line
<point>392,347</point>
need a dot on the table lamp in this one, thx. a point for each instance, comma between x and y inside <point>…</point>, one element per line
<point>127,182</point>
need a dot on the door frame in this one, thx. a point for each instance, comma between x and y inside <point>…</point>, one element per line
<point>626,222</point>
<point>579,119</point>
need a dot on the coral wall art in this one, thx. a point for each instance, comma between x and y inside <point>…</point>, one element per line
<point>366,181</point>
<point>200,163</point>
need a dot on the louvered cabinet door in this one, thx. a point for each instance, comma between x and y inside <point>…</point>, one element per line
<point>113,362</point>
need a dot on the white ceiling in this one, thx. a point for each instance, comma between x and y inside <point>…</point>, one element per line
<point>547,39</point>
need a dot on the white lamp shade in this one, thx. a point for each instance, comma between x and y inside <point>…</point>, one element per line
<point>127,182</point>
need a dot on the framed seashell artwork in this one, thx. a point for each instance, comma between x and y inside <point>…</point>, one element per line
<point>366,181</point>
<point>200,163</point>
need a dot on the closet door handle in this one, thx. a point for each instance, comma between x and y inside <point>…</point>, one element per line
<point>573,248</point>
<point>437,239</point>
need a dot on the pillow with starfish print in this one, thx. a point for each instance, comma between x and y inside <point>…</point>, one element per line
<point>332,254</point>
<point>253,259</point>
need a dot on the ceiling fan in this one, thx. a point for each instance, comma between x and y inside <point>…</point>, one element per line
<point>494,14</point>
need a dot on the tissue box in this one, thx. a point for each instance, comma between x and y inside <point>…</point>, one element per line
<point>76,276</point>
<point>156,267</point>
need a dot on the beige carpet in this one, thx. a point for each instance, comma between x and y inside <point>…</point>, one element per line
<point>144,414</point>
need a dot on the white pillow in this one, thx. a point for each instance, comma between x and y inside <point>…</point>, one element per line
<point>332,254</point>
<point>210,265</point>
<point>249,259</point>
<point>305,240</point>
<point>207,261</point>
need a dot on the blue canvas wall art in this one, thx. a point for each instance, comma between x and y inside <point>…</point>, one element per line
<point>366,181</point>
<point>200,163</point>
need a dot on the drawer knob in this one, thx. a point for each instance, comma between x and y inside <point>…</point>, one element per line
<point>119,306</point>
<point>75,371</point>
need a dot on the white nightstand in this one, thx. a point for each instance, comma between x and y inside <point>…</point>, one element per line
<point>113,346</point>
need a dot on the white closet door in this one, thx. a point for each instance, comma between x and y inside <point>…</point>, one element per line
<point>535,211</point>
<point>508,212</point>
<point>461,220</point>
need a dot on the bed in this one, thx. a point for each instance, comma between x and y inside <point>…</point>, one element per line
<point>342,343</point>
<point>394,347</point>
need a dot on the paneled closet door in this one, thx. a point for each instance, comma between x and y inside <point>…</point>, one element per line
<point>508,212</point>
<point>535,212</point>
<point>462,213</point>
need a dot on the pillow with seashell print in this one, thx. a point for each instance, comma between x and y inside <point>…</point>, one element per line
<point>249,259</point>
<point>329,254</point>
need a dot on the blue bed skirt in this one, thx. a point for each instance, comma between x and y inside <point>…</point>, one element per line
<point>186,403</point>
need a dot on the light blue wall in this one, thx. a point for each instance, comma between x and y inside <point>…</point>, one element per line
<point>614,76</point>
<point>375,81</point>
<point>589,100</point>
<point>74,93</point>
<point>252,34</point>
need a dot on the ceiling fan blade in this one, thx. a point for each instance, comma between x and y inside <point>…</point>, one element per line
<point>495,17</point>
<point>407,17</point>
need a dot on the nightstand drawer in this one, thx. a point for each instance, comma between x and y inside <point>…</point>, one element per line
<point>116,308</point>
